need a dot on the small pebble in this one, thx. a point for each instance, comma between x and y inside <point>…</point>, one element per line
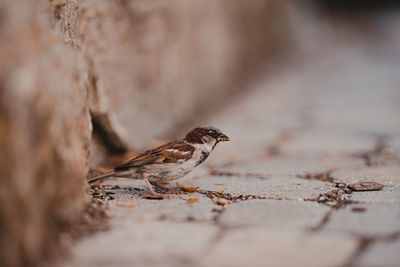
<point>348,191</point>
<point>340,185</point>
<point>366,186</point>
<point>332,195</point>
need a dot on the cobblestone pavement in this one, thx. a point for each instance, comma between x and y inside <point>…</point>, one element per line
<point>294,138</point>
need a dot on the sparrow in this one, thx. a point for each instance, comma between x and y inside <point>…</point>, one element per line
<point>170,161</point>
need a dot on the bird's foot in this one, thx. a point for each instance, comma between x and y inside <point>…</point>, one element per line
<point>153,194</point>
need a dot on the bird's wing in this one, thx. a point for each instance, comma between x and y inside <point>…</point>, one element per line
<point>174,152</point>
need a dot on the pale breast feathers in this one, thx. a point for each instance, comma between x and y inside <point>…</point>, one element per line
<point>174,152</point>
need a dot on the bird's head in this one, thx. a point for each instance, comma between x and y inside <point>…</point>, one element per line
<point>206,135</point>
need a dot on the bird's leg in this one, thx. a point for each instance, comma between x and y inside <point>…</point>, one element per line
<point>160,185</point>
<point>152,192</point>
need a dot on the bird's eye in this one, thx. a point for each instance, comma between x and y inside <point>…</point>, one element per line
<point>213,133</point>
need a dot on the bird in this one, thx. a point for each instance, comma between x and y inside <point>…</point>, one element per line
<point>170,161</point>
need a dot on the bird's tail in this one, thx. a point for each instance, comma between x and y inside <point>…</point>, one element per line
<point>101,177</point>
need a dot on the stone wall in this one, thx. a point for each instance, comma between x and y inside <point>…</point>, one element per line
<point>44,134</point>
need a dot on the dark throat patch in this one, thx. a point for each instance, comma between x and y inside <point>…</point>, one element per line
<point>203,157</point>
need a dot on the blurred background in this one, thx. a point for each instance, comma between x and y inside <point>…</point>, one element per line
<point>83,81</point>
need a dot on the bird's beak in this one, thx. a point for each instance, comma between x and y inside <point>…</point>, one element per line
<point>223,138</point>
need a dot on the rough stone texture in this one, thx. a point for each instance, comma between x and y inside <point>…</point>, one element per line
<point>264,247</point>
<point>159,241</point>
<point>386,195</point>
<point>44,134</point>
<point>280,215</point>
<point>388,175</point>
<point>378,218</point>
<point>384,254</point>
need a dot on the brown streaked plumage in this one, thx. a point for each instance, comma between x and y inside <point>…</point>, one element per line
<point>168,153</point>
<point>170,161</point>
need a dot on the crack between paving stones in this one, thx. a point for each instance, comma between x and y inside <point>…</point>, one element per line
<point>221,233</point>
<point>368,156</point>
<point>380,154</point>
<point>322,222</point>
<point>216,172</point>
<point>234,198</point>
<point>325,176</point>
<point>339,204</point>
<point>213,242</point>
<point>337,198</point>
<point>220,208</point>
<point>366,242</point>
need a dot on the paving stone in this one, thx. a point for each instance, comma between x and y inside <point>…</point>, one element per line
<point>281,215</point>
<point>328,142</point>
<point>262,247</point>
<point>382,254</point>
<point>394,143</point>
<point>174,208</point>
<point>285,187</point>
<point>293,164</point>
<point>389,175</point>
<point>378,218</point>
<point>151,243</point>
<point>385,195</point>
<point>254,123</point>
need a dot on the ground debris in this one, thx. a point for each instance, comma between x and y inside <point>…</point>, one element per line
<point>193,200</point>
<point>126,205</point>
<point>95,218</point>
<point>95,213</point>
<point>320,176</point>
<point>221,201</point>
<point>344,187</point>
<point>366,186</point>
<point>188,188</point>
<point>335,198</point>
<point>99,192</point>
<point>229,196</point>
